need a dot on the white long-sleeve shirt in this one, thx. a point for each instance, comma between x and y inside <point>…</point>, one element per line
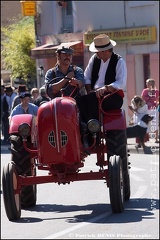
<point>120,78</point>
<point>140,112</point>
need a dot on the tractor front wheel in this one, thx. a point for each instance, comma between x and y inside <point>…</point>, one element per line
<point>116,184</point>
<point>11,195</point>
<point>116,142</point>
<point>22,161</point>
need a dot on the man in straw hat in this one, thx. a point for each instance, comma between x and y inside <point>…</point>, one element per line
<point>105,73</point>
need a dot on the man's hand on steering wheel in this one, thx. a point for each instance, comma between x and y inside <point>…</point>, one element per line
<point>73,81</point>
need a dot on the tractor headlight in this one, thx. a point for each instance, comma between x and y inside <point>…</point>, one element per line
<point>24,130</point>
<point>93,125</point>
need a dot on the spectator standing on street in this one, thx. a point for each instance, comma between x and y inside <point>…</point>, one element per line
<point>43,96</point>
<point>25,107</point>
<point>21,89</point>
<point>2,97</point>
<point>34,93</point>
<point>10,95</point>
<point>151,96</point>
<point>7,105</point>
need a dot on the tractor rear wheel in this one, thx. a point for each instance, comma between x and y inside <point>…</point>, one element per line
<point>116,142</point>
<point>116,184</point>
<point>22,161</point>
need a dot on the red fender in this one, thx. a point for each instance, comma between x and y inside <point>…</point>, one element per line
<point>114,120</point>
<point>16,120</point>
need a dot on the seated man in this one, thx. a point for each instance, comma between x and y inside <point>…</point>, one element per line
<point>64,69</point>
<point>105,73</point>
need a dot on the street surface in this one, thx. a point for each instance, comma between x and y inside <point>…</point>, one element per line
<point>81,210</point>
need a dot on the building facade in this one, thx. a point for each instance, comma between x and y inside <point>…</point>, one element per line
<point>134,25</point>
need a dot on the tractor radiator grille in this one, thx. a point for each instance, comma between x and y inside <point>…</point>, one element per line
<point>63,136</point>
<point>51,139</point>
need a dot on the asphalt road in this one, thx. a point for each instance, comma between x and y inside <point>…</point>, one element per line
<point>81,210</point>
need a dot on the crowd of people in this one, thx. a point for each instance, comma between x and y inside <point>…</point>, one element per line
<point>19,101</point>
<point>105,74</point>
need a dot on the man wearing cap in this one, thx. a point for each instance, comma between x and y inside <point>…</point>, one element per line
<point>10,95</point>
<point>7,104</point>
<point>105,73</point>
<point>25,107</point>
<point>65,70</point>
<point>21,89</point>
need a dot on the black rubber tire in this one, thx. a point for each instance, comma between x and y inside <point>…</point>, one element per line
<point>22,160</point>
<point>12,201</point>
<point>116,142</point>
<point>116,184</point>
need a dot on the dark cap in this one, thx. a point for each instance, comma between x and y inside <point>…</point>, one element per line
<point>63,49</point>
<point>8,88</point>
<point>25,94</point>
<point>22,88</point>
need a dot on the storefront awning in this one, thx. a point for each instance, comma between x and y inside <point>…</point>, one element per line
<point>48,50</point>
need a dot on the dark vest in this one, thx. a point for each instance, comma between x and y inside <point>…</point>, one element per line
<point>111,70</point>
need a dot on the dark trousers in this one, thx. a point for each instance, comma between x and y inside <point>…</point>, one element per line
<point>5,124</point>
<point>136,131</point>
<point>89,106</point>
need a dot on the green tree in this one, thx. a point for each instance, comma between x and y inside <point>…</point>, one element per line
<point>17,41</point>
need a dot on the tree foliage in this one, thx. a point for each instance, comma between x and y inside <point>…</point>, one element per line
<point>17,41</point>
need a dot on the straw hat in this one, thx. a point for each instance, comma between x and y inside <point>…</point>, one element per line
<point>101,42</point>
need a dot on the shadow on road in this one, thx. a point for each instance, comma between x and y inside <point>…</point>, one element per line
<point>135,211</point>
<point>132,149</point>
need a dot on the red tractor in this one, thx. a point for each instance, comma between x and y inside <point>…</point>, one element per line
<point>54,141</point>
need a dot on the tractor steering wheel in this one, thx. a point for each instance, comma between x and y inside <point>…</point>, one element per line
<point>57,79</point>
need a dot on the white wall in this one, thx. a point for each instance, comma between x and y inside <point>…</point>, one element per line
<point>96,15</point>
<point>139,73</point>
<point>103,15</point>
<point>107,15</point>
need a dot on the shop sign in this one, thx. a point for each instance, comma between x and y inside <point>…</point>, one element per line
<point>28,8</point>
<point>129,35</point>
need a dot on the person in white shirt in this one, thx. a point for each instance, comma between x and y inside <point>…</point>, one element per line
<point>139,108</point>
<point>141,121</point>
<point>105,73</point>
